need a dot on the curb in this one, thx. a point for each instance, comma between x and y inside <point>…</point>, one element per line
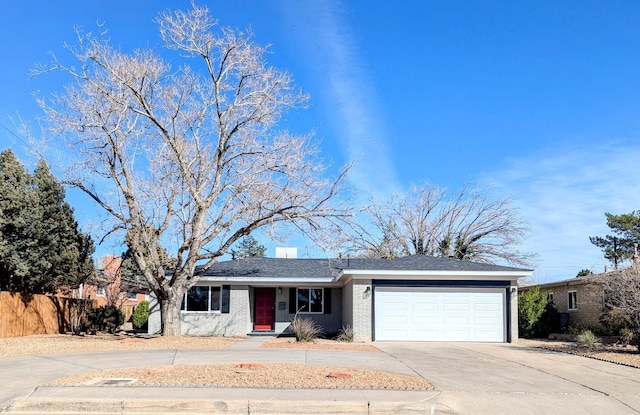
<point>215,406</point>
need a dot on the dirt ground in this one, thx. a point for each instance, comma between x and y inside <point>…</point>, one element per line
<point>624,355</point>
<point>224,375</point>
<point>66,343</point>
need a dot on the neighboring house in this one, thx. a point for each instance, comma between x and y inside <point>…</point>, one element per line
<point>415,298</point>
<point>580,299</point>
<point>108,287</point>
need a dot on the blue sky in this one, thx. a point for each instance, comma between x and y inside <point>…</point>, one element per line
<point>541,100</point>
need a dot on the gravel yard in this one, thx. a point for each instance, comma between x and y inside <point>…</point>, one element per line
<point>255,376</point>
<point>624,355</point>
<point>225,375</point>
<point>65,343</point>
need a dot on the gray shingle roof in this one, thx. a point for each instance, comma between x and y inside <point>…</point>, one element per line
<point>327,268</point>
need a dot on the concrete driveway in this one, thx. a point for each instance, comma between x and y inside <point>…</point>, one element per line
<point>484,378</point>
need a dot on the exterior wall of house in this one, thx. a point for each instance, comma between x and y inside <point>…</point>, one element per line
<point>331,323</point>
<point>233,323</point>
<point>347,304</point>
<point>236,322</point>
<point>283,318</point>
<point>154,324</point>
<point>589,302</point>
<point>513,322</point>
<point>362,309</point>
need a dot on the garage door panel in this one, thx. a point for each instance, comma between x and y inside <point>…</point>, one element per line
<point>440,314</point>
<point>425,320</point>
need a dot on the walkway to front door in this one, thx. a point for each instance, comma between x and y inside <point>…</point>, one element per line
<point>265,301</point>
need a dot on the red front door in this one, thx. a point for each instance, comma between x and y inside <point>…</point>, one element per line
<point>265,299</point>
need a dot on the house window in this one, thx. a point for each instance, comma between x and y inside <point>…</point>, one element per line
<point>204,299</point>
<point>132,295</point>
<point>310,300</point>
<point>101,291</point>
<point>549,297</point>
<point>572,300</point>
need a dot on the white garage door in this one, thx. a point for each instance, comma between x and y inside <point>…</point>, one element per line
<point>432,314</point>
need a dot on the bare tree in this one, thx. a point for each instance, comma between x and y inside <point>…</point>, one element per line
<point>190,158</point>
<point>621,292</point>
<point>427,221</point>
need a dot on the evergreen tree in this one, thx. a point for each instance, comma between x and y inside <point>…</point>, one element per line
<point>249,247</point>
<point>626,232</point>
<point>41,248</point>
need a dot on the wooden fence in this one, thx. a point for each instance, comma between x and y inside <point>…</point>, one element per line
<point>27,314</point>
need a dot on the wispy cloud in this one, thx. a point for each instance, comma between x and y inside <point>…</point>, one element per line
<point>350,98</point>
<point>563,193</point>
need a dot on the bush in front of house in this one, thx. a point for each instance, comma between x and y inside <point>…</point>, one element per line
<point>579,328</point>
<point>625,337</point>
<point>614,320</point>
<point>105,318</point>
<point>140,317</point>
<point>305,329</point>
<point>587,338</point>
<point>345,334</point>
<point>537,317</point>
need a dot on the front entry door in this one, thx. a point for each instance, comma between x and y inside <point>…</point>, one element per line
<point>265,299</point>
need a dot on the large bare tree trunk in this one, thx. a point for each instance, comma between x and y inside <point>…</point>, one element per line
<point>172,323</point>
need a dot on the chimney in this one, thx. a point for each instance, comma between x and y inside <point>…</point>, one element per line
<point>290,253</point>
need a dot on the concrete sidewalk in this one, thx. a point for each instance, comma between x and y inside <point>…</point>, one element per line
<point>19,398</point>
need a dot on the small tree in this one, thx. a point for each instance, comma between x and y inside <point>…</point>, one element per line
<point>140,315</point>
<point>537,316</point>
<point>619,247</point>
<point>584,273</point>
<point>249,247</point>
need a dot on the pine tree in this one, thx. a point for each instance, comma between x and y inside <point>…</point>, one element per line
<point>41,249</point>
<point>619,247</point>
<point>249,247</point>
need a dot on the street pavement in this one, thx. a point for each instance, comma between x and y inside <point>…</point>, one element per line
<point>470,378</point>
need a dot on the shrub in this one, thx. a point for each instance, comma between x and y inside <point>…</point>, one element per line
<point>140,316</point>
<point>587,338</point>
<point>345,334</point>
<point>579,328</point>
<point>305,329</point>
<point>537,317</point>
<point>626,336</point>
<point>107,318</point>
<point>614,320</point>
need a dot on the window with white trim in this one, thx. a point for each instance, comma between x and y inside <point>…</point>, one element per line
<point>202,299</point>
<point>101,291</point>
<point>572,300</point>
<point>309,300</point>
<point>549,297</point>
<point>132,295</point>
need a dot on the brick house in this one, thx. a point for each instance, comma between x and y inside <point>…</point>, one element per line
<point>109,287</point>
<point>580,299</point>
